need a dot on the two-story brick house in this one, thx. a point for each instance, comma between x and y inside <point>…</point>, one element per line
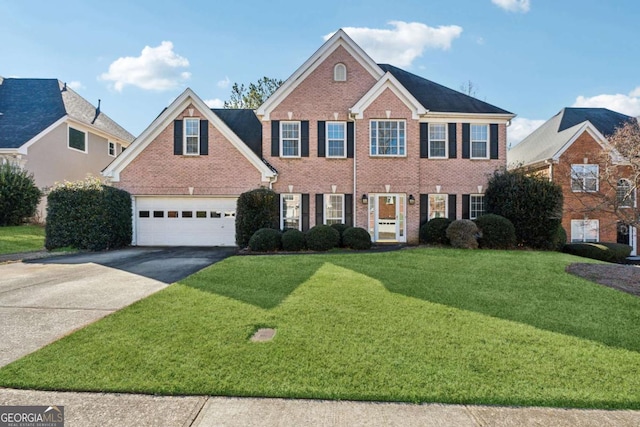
<point>342,140</point>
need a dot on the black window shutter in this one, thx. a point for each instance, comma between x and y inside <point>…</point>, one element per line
<point>177,137</point>
<point>466,206</point>
<point>304,138</point>
<point>305,212</point>
<point>493,137</point>
<point>424,208</point>
<point>466,141</point>
<point>275,138</point>
<point>322,142</point>
<point>453,140</point>
<point>424,140</point>
<point>350,142</point>
<point>348,209</point>
<point>452,206</point>
<point>204,137</point>
<point>319,209</point>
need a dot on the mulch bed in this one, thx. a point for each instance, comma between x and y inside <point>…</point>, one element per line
<point>625,278</point>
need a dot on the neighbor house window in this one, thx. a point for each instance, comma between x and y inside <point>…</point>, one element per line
<point>192,136</point>
<point>290,211</point>
<point>626,194</point>
<point>340,73</point>
<point>334,209</point>
<point>111,149</point>
<point>290,139</point>
<point>476,206</point>
<point>584,178</point>
<point>336,139</point>
<point>479,141</point>
<point>437,141</point>
<point>77,139</point>
<point>587,230</point>
<point>437,206</point>
<point>388,137</point>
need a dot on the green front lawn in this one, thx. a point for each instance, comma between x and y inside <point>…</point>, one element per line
<point>419,325</point>
<point>23,238</point>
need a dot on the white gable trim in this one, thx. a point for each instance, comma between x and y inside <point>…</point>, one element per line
<point>340,38</point>
<point>596,135</point>
<point>388,81</point>
<point>24,147</point>
<point>165,119</point>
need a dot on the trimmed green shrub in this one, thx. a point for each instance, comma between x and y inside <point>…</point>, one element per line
<point>256,209</point>
<point>603,251</point>
<point>293,240</point>
<point>19,196</point>
<point>496,232</point>
<point>356,238</point>
<point>340,228</point>
<point>265,240</point>
<point>533,204</point>
<point>435,231</point>
<point>88,215</point>
<point>322,238</point>
<point>559,238</point>
<point>462,233</point>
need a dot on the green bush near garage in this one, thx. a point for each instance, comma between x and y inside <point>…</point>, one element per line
<point>266,240</point>
<point>293,240</point>
<point>256,209</point>
<point>19,196</point>
<point>88,215</point>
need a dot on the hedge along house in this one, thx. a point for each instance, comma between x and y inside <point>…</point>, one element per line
<point>342,140</point>
<point>569,150</point>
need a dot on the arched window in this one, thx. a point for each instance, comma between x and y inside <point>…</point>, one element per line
<point>626,194</point>
<point>340,73</point>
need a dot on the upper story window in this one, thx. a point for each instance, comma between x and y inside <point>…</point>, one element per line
<point>437,141</point>
<point>626,194</point>
<point>479,141</point>
<point>191,136</point>
<point>290,139</point>
<point>388,137</point>
<point>77,140</point>
<point>340,73</point>
<point>584,178</point>
<point>334,209</point>
<point>290,211</point>
<point>336,139</point>
<point>111,149</point>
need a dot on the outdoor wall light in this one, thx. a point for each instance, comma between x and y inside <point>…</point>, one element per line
<point>412,200</point>
<point>365,199</point>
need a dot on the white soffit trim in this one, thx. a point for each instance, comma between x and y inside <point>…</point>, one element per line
<point>165,119</point>
<point>433,116</point>
<point>388,81</point>
<point>589,128</point>
<point>340,38</point>
<point>24,147</point>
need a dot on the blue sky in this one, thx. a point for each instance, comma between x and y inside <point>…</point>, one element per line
<point>531,57</point>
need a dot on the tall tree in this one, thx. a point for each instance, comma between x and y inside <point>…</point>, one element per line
<point>254,95</point>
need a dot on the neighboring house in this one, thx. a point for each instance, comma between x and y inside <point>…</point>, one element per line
<point>53,132</point>
<point>342,140</point>
<point>568,149</point>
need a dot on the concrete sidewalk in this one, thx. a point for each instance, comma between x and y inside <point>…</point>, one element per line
<point>122,410</point>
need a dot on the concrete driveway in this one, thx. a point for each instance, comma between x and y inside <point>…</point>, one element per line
<point>44,300</point>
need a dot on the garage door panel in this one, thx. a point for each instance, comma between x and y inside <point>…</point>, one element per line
<point>185,221</point>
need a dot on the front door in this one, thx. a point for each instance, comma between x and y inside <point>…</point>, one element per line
<point>627,236</point>
<point>387,217</point>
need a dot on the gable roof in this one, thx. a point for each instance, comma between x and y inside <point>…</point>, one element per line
<point>557,134</point>
<point>388,81</point>
<point>30,106</point>
<point>245,124</point>
<point>437,98</point>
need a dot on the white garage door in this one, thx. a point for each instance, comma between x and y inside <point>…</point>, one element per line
<point>177,221</point>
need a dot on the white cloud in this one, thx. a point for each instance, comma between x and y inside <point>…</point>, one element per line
<point>214,103</point>
<point>76,85</point>
<point>157,68</point>
<point>520,128</point>
<point>224,83</point>
<point>625,104</point>
<point>404,43</point>
<point>513,5</point>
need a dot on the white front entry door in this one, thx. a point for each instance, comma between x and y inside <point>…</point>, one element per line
<point>387,222</point>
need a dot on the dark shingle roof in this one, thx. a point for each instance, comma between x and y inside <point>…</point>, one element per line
<point>435,97</point>
<point>606,121</point>
<point>245,124</point>
<point>29,106</point>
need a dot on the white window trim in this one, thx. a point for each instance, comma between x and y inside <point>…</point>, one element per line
<point>446,140</point>
<point>86,140</point>
<point>584,223</point>
<point>341,66</point>
<point>344,141</point>
<point>471,196</point>
<point>327,197</point>
<point>282,217</point>
<point>583,186</point>
<point>184,137</point>
<point>471,140</point>
<point>282,123</point>
<point>446,205</point>
<point>115,148</point>
<point>378,144</point>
